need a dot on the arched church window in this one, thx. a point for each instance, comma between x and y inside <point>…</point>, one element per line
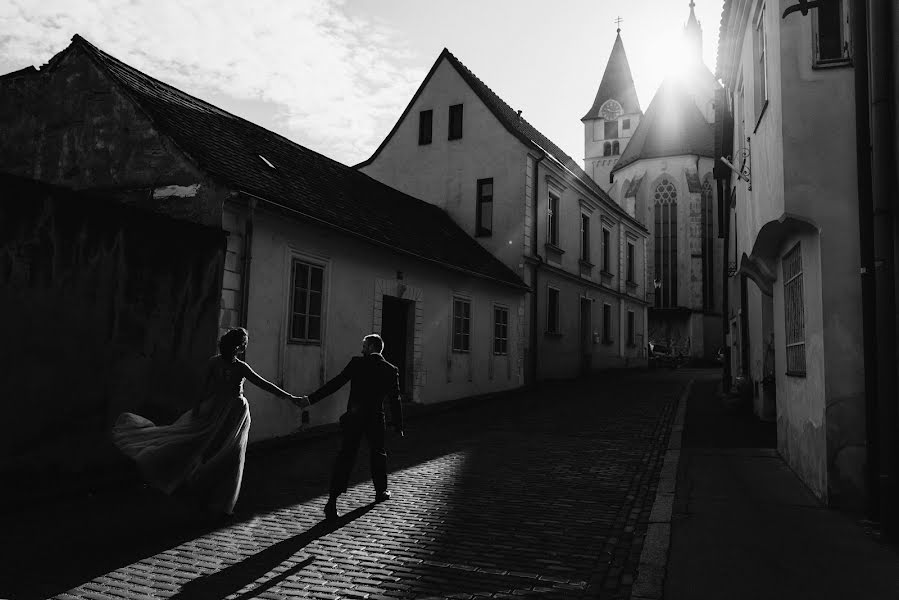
<point>708,247</point>
<point>606,149</point>
<point>665,209</point>
<point>615,148</point>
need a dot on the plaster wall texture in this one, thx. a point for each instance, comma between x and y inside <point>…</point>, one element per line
<point>71,126</point>
<point>793,180</point>
<point>445,172</point>
<point>357,276</point>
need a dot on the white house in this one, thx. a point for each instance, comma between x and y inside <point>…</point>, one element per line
<point>318,254</point>
<point>462,148</point>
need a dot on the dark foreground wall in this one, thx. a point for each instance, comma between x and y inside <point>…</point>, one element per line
<point>105,308</point>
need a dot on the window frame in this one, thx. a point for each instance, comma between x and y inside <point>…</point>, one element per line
<point>553,200</point>
<point>625,124</point>
<point>631,328</point>
<point>585,238</point>
<point>606,250</point>
<point>464,321</point>
<point>311,267</point>
<point>553,319</point>
<point>611,126</point>
<point>500,327</point>
<point>760,54</point>
<point>794,296</point>
<point>480,230</point>
<point>631,260</point>
<point>456,117</point>
<point>616,148</point>
<point>425,134</point>
<point>844,31</point>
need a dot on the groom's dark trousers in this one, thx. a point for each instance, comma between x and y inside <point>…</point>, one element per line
<point>372,379</point>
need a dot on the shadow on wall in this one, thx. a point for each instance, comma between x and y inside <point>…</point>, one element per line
<point>106,308</point>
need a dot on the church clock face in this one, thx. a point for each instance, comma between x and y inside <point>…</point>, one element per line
<point>610,110</point>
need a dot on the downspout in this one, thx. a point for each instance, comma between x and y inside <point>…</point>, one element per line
<point>247,261</point>
<point>535,268</point>
<point>882,123</point>
<point>866,256</point>
<point>724,194</point>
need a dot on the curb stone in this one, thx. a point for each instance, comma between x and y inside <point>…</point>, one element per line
<point>650,582</point>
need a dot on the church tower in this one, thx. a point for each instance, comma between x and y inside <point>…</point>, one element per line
<point>613,118</point>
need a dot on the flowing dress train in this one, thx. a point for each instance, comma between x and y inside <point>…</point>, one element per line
<point>201,456</point>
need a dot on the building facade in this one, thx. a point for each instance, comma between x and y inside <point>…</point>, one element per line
<point>318,254</point>
<point>658,167</point>
<point>460,147</point>
<point>798,323</point>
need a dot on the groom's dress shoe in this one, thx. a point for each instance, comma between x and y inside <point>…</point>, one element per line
<point>331,510</point>
<point>382,496</point>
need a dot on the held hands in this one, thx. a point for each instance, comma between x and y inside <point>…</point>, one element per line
<point>301,401</point>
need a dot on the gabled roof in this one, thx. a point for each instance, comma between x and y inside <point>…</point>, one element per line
<point>513,123</point>
<point>617,83</point>
<point>255,161</point>
<point>672,126</point>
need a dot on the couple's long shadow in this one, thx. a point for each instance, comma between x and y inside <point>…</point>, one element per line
<point>237,576</point>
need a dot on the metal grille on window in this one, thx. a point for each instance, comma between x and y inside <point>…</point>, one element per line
<point>500,330</point>
<point>461,325</point>
<point>666,244</point>
<point>306,314</point>
<point>794,309</point>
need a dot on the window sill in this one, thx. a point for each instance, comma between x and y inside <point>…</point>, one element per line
<point>456,351</point>
<point>483,234</point>
<point>607,342</point>
<point>500,354</point>
<point>552,334</point>
<point>631,284</point>
<point>305,342</point>
<point>758,120</point>
<point>585,263</point>
<point>424,143</point>
<point>553,248</point>
<point>606,274</point>
<point>800,374</point>
<point>833,63</point>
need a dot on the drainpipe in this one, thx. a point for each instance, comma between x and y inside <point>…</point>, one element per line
<point>881,80</point>
<point>535,269</point>
<point>247,260</point>
<point>724,194</point>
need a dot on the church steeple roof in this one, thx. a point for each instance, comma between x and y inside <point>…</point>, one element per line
<point>693,34</point>
<point>617,83</point>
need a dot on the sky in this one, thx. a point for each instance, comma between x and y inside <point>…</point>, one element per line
<point>335,75</point>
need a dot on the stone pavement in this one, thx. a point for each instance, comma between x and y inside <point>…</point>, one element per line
<point>541,493</point>
<point>745,527</point>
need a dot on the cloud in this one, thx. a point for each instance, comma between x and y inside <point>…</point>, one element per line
<point>331,81</point>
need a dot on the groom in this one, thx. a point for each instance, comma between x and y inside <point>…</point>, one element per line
<point>372,379</point>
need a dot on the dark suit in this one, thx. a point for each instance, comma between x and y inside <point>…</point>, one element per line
<point>372,379</point>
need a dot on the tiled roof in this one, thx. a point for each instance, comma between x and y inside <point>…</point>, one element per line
<point>672,126</point>
<point>617,83</point>
<point>514,124</point>
<point>259,162</point>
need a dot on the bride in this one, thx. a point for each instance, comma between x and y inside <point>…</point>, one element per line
<point>201,455</point>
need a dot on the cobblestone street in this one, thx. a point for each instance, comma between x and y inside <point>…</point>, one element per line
<point>544,493</point>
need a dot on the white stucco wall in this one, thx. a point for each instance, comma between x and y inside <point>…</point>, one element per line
<point>445,172</point>
<point>356,276</point>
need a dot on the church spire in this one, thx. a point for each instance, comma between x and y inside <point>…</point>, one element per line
<point>693,35</point>
<point>617,83</point>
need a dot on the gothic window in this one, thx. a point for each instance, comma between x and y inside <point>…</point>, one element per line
<point>666,244</point>
<point>607,149</point>
<point>615,148</point>
<point>708,247</point>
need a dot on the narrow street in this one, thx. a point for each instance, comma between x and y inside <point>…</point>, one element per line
<point>545,493</point>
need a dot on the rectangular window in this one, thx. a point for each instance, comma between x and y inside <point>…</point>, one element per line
<point>455,122</point>
<point>461,325</point>
<point>606,323</point>
<point>500,330</point>
<point>761,67</point>
<point>630,262</point>
<point>552,220</point>
<point>626,124</point>
<point>794,311</point>
<point>606,250</point>
<point>585,238</point>
<point>485,208</point>
<point>306,302</point>
<point>425,127</point>
<point>611,129</point>
<point>552,310</point>
<point>830,35</point>
<point>631,329</point>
